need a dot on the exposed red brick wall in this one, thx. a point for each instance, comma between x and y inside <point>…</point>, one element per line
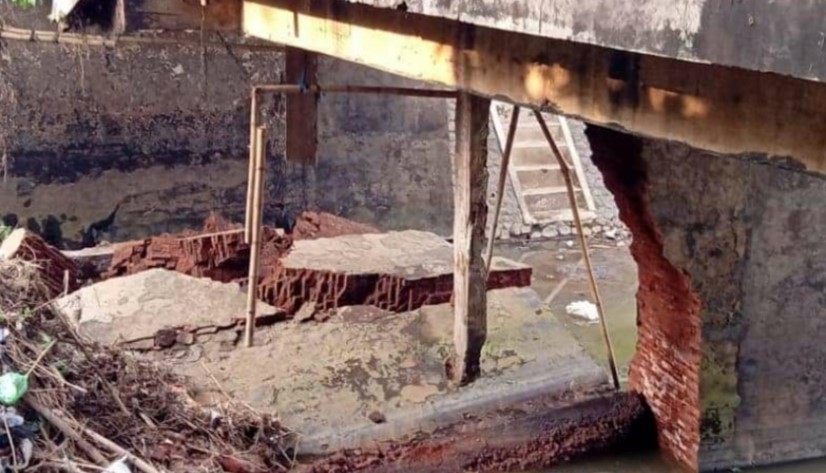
<point>666,367</point>
<point>221,255</point>
<point>290,288</point>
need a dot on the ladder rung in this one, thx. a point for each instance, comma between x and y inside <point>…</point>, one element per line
<point>536,167</point>
<point>533,144</point>
<point>547,190</point>
<point>533,125</point>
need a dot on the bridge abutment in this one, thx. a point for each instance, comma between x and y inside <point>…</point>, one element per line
<point>731,304</point>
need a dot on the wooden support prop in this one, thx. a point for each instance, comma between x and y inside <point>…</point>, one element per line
<point>251,168</point>
<point>500,189</point>
<point>470,179</point>
<point>583,243</point>
<point>255,235</point>
<point>302,109</point>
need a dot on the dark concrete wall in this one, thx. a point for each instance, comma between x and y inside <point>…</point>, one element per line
<point>743,235</point>
<point>163,131</point>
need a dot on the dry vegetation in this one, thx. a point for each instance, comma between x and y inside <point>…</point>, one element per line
<point>96,404</point>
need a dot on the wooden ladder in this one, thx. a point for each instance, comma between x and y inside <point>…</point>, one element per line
<point>534,172</point>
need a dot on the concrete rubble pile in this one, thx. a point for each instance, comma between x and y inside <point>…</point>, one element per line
<point>326,262</point>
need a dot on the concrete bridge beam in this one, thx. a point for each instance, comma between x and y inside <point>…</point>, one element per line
<point>723,109</point>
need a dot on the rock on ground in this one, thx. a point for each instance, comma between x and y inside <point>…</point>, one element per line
<point>141,305</point>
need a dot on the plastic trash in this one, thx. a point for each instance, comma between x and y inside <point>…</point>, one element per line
<point>584,310</point>
<point>118,466</point>
<point>13,386</point>
<point>21,434</point>
<point>61,9</point>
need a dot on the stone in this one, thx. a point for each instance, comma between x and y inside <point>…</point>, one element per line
<point>611,234</point>
<point>306,312</point>
<point>143,304</point>
<point>165,338</point>
<point>377,417</point>
<point>536,235</point>
<point>185,337</point>
<point>323,315</point>
<point>587,231</point>
<point>550,232</point>
<point>525,230</point>
<point>565,230</point>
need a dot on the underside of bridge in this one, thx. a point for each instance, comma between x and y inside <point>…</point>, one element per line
<point>714,150</point>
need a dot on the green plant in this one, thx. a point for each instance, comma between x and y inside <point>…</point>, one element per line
<point>5,231</point>
<point>25,3</point>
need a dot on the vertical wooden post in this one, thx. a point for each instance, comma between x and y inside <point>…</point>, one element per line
<point>251,169</point>
<point>301,67</point>
<point>470,182</point>
<point>255,234</point>
<point>500,189</point>
<point>583,243</point>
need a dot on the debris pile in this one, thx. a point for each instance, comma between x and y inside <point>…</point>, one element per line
<point>395,271</point>
<point>311,225</point>
<point>57,272</point>
<point>218,255</point>
<point>70,404</point>
<point>219,251</point>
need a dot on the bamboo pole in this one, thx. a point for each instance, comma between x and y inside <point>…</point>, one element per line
<point>500,190</point>
<point>251,166</point>
<point>583,242</point>
<point>255,235</point>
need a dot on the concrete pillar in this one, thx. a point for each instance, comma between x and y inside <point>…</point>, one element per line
<point>732,316</point>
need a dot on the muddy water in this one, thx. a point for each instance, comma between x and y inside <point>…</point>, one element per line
<point>560,279</point>
<point>652,463</point>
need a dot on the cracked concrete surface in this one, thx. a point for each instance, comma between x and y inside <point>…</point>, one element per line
<point>323,380</point>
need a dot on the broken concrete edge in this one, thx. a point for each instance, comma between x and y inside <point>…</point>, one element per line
<point>516,441</point>
<point>435,415</point>
<point>221,255</point>
<point>178,333</point>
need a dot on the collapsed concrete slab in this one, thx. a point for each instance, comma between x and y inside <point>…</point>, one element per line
<point>396,271</point>
<point>220,256</point>
<point>219,252</point>
<point>155,305</point>
<point>327,379</point>
<point>333,262</point>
